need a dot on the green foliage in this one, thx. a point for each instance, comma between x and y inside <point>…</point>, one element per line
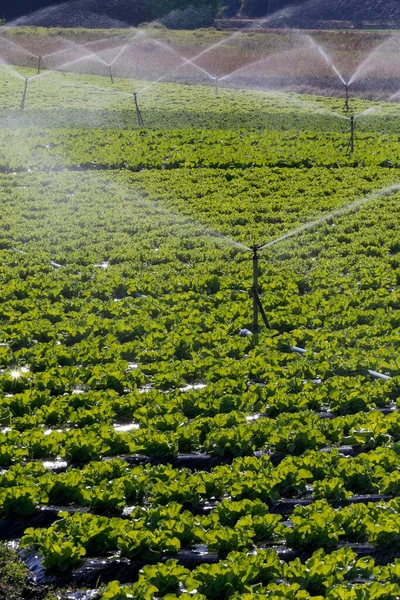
<point>14,584</point>
<point>131,347</point>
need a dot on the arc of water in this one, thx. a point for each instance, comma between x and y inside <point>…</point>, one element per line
<point>217,44</point>
<point>184,63</point>
<point>57,52</point>
<point>327,58</point>
<point>375,109</point>
<point>184,59</point>
<point>68,64</point>
<point>369,59</point>
<point>19,47</point>
<point>120,53</point>
<point>86,44</point>
<point>108,90</point>
<point>167,215</point>
<point>261,60</point>
<point>229,240</point>
<point>300,103</point>
<point>12,71</point>
<point>192,60</point>
<point>336,213</point>
<point>367,111</point>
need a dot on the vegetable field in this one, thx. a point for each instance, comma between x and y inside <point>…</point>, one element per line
<point>149,446</point>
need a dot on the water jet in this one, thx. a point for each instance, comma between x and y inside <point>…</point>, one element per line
<point>22,105</point>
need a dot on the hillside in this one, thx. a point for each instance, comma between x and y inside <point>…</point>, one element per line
<point>190,14</point>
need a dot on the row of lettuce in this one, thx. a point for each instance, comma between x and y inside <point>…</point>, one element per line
<point>112,486</point>
<point>149,534</point>
<point>75,100</point>
<point>261,575</point>
<point>224,436</point>
<point>55,403</point>
<point>176,149</point>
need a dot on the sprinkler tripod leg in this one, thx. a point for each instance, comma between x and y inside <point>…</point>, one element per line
<point>111,75</point>
<point>255,290</point>
<point>138,113</point>
<point>352,132</point>
<point>260,308</point>
<point>254,293</point>
<point>346,102</point>
<point>39,64</point>
<point>22,105</point>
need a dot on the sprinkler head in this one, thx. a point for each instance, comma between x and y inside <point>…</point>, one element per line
<point>255,248</point>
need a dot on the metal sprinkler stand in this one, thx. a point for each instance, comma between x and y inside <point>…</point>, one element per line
<point>257,304</point>
<point>110,72</point>
<point>22,105</point>
<point>138,113</point>
<point>346,102</point>
<point>39,64</point>
<point>350,146</point>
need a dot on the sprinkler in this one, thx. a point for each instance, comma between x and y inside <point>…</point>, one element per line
<point>39,64</point>
<point>111,75</point>
<point>255,288</point>
<point>291,36</point>
<point>22,106</point>
<point>350,146</point>
<point>257,305</point>
<point>346,102</point>
<point>138,113</point>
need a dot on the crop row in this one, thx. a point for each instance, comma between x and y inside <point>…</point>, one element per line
<point>314,475</point>
<point>260,575</point>
<point>151,533</point>
<point>76,100</point>
<point>225,435</point>
<point>37,401</point>
<point>176,149</point>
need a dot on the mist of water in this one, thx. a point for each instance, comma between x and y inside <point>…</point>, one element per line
<point>19,48</point>
<point>120,53</point>
<point>336,213</point>
<point>55,52</point>
<point>308,105</point>
<point>183,59</point>
<point>70,63</point>
<point>11,71</point>
<point>327,59</point>
<point>371,61</point>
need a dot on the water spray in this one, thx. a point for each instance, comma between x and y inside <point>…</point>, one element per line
<point>138,113</point>
<point>111,74</point>
<point>22,105</point>
<point>39,64</point>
